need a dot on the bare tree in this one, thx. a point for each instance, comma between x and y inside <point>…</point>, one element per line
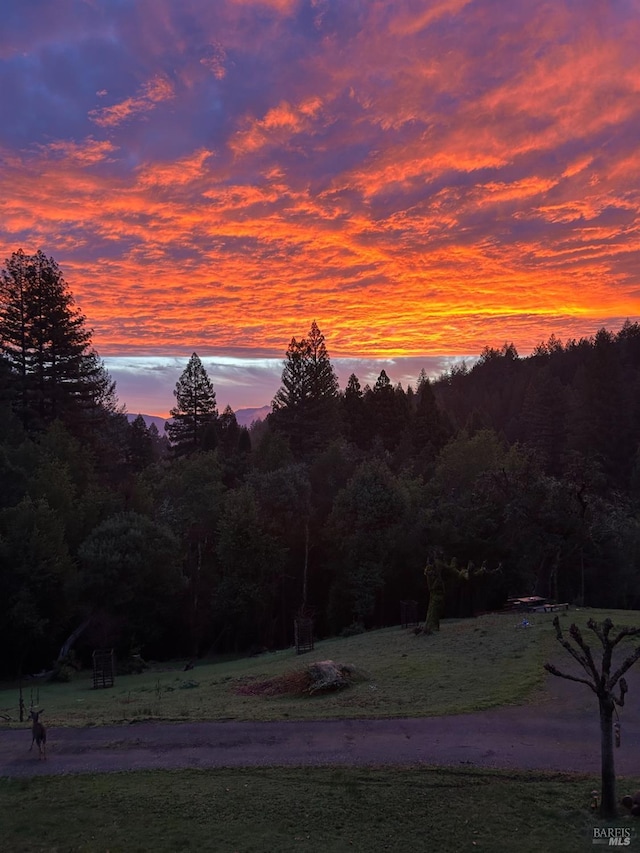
<point>435,582</point>
<point>603,684</point>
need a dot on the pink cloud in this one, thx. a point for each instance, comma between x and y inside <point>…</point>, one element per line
<point>152,93</point>
<point>279,123</point>
<point>422,178</point>
<point>86,153</point>
<point>284,7</point>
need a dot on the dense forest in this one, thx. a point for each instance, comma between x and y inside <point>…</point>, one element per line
<point>517,475</point>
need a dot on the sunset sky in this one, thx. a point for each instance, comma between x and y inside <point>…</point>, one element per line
<point>421,178</point>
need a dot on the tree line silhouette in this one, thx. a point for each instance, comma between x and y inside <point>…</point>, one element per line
<point>512,476</point>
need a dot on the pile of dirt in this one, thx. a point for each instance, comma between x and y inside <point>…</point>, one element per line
<point>291,683</point>
<point>318,677</point>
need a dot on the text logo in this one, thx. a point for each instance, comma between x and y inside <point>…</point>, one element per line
<point>612,836</point>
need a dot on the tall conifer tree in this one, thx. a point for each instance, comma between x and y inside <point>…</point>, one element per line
<point>429,431</point>
<point>355,422</point>
<point>305,408</point>
<point>55,373</point>
<point>195,414</point>
<point>386,409</point>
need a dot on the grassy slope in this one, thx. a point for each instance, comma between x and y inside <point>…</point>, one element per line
<point>470,665</point>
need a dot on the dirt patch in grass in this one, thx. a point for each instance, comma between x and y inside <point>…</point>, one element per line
<point>319,677</point>
<point>289,684</point>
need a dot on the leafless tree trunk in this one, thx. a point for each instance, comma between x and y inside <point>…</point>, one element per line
<point>603,684</point>
<point>305,572</point>
<point>71,639</point>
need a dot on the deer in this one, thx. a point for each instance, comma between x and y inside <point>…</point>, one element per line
<point>38,734</point>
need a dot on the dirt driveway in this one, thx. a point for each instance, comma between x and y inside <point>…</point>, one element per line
<point>558,731</point>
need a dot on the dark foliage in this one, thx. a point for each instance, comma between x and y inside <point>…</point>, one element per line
<point>515,475</point>
<point>193,419</point>
<point>305,408</point>
<point>53,373</point>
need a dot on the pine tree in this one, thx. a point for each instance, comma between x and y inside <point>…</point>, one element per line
<point>228,431</point>
<point>195,415</point>
<point>294,392</point>
<point>543,419</point>
<point>305,408</point>
<point>355,422</point>
<point>55,373</point>
<point>323,383</point>
<point>387,411</point>
<point>429,432</point>
<point>140,444</point>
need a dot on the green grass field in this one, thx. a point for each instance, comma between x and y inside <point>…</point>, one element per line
<point>319,810</point>
<point>471,665</point>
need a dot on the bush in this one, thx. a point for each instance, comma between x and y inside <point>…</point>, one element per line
<point>133,665</point>
<point>353,629</point>
<point>62,672</point>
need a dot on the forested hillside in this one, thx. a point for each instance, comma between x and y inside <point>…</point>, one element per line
<point>514,476</point>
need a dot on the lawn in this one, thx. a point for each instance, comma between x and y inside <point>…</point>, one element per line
<point>470,665</point>
<point>319,809</point>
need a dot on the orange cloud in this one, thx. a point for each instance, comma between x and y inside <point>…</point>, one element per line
<point>87,153</point>
<point>422,181</point>
<point>409,23</point>
<point>154,92</point>
<point>285,7</point>
<point>215,61</point>
<point>181,172</point>
<point>279,124</point>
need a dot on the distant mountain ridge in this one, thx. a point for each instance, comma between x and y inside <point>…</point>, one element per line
<point>245,417</point>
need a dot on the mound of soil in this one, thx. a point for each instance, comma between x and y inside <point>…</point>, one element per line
<point>291,683</point>
<point>319,677</point>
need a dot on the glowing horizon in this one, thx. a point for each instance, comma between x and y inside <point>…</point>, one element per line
<point>146,383</point>
<point>422,179</point>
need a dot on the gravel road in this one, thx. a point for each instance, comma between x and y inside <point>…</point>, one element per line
<point>560,732</point>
